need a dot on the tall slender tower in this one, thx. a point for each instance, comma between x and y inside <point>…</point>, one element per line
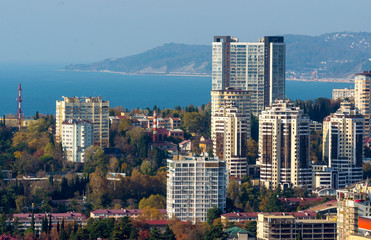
<point>362,98</point>
<point>19,106</point>
<point>230,140</point>
<point>343,144</point>
<point>258,67</point>
<point>284,146</point>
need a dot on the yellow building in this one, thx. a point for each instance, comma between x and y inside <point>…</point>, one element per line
<point>92,109</point>
<point>352,204</point>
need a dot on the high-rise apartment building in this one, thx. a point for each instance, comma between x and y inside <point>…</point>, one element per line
<point>284,146</point>
<point>230,128</point>
<point>92,109</point>
<point>194,185</point>
<point>362,98</point>
<point>230,139</point>
<point>77,135</point>
<point>353,203</point>
<point>343,144</point>
<point>258,67</point>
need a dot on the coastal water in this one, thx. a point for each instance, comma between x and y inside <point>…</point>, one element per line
<point>43,84</point>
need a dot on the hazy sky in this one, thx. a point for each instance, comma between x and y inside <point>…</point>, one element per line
<point>79,31</point>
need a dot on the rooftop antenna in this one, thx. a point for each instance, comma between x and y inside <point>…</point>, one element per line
<point>19,112</point>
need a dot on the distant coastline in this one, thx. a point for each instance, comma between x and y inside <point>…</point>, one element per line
<point>142,74</point>
<point>334,80</point>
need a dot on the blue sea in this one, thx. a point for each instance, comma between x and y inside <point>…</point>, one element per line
<point>44,84</point>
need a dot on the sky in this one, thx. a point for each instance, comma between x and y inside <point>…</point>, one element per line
<point>84,31</point>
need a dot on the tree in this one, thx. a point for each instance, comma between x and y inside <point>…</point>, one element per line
<point>233,189</point>
<point>212,214</point>
<point>113,164</point>
<point>149,213</point>
<point>3,226</point>
<point>16,227</point>
<point>299,236</point>
<point>154,201</point>
<point>252,151</point>
<point>32,223</point>
<point>125,125</point>
<point>168,234</point>
<point>155,234</point>
<point>251,227</point>
<point>216,233</point>
<point>99,193</point>
<point>193,122</point>
<point>49,149</point>
<point>44,224</point>
<point>271,203</point>
<point>146,167</point>
<point>122,229</point>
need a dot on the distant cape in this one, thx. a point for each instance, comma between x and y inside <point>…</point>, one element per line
<point>328,56</point>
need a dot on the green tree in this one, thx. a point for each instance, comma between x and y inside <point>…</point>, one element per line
<point>16,227</point>
<point>251,227</point>
<point>155,234</point>
<point>32,223</point>
<point>154,201</point>
<point>193,122</point>
<point>271,203</point>
<point>125,125</point>
<point>168,234</point>
<point>49,149</point>
<point>298,237</point>
<point>122,229</point>
<point>212,214</point>
<point>146,167</point>
<point>216,233</point>
<point>44,224</point>
<point>3,226</point>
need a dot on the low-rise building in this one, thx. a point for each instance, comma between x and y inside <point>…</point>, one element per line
<point>289,228</point>
<point>342,93</point>
<point>253,216</point>
<point>119,213</point>
<point>24,219</point>
<point>185,147</point>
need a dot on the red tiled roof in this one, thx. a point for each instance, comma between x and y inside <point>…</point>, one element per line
<point>156,222</point>
<point>300,214</point>
<point>184,142</point>
<point>122,211</point>
<point>325,205</point>
<point>117,211</point>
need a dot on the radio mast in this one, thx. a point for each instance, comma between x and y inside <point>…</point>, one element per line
<point>19,112</point>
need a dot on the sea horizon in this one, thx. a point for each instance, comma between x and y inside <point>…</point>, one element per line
<point>44,84</point>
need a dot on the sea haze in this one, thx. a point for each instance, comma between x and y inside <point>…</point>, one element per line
<point>43,84</point>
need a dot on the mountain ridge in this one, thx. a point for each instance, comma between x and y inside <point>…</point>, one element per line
<point>329,55</point>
